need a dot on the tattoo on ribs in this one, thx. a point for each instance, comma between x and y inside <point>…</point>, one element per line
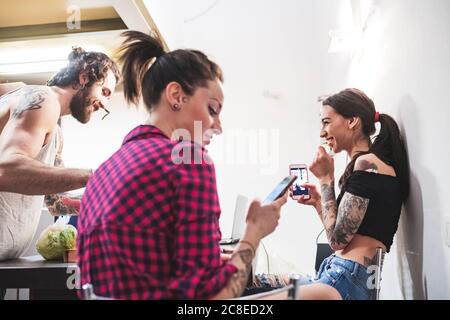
<point>240,278</point>
<point>370,261</point>
<point>32,99</point>
<point>365,165</point>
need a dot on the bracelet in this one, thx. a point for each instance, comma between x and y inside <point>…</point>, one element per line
<point>251,246</point>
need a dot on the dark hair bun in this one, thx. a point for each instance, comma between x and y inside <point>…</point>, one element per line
<point>76,53</point>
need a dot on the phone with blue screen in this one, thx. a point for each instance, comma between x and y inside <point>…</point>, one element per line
<point>300,171</point>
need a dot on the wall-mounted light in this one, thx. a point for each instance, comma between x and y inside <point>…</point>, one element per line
<point>348,40</point>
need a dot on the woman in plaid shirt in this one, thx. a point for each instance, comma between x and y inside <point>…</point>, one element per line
<point>149,220</point>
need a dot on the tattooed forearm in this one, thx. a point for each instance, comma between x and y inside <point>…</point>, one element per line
<point>62,205</point>
<point>240,278</point>
<point>329,207</point>
<point>327,191</point>
<point>365,165</point>
<point>31,99</point>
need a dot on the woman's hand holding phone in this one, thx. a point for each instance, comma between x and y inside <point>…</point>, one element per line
<point>314,197</point>
<point>263,219</point>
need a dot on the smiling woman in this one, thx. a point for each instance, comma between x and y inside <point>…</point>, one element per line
<point>363,219</point>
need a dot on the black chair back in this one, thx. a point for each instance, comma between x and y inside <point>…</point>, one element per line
<point>323,251</point>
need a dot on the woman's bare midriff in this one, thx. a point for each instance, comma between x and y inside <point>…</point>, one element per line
<point>361,249</point>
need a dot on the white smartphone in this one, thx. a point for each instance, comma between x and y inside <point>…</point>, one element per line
<point>301,172</point>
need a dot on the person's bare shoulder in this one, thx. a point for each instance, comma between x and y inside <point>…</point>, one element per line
<point>34,102</point>
<point>10,86</point>
<point>371,163</point>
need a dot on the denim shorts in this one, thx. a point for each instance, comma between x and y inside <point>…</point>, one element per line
<point>351,279</point>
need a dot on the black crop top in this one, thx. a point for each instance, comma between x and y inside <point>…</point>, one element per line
<point>383,191</point>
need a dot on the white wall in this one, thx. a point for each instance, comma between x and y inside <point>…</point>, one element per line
<point>88,145</point>
<point>274,55</point>
<point>275,60</point>
<point>404,65</point>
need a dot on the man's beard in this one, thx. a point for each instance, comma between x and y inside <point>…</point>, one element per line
<point>79,105</point>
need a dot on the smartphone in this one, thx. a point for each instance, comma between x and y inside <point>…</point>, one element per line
<point>280,189</point>
<point>300,171</point>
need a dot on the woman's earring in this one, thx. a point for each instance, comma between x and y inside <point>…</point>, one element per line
<point>176,107</point>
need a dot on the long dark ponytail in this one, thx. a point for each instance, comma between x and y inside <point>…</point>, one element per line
<point>147,68</point>
<point>387,145</point>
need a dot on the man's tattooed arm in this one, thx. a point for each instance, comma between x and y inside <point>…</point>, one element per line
<point>341,223</point>
<point>59,204</point>
<point>31,98</point>
<point>62,204</point>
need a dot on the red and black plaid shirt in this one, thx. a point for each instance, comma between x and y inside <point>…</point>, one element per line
<point>148,227</point>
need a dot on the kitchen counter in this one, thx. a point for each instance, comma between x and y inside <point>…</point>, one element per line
<point>45,279</point>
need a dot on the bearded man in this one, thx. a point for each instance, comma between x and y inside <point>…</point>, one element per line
<point>31,143</point>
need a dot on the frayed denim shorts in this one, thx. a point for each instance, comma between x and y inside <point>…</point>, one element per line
<point>352,280</point>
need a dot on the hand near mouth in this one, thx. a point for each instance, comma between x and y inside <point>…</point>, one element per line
<point>323,165</point>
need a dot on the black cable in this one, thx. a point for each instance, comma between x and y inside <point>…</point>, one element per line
<point>317,239</point>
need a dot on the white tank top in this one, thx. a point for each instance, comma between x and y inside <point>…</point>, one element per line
<point>20,214</point>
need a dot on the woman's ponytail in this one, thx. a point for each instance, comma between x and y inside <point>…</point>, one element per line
<point>147,69</point>
<point>137,53</point>
<point>389,147</point>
